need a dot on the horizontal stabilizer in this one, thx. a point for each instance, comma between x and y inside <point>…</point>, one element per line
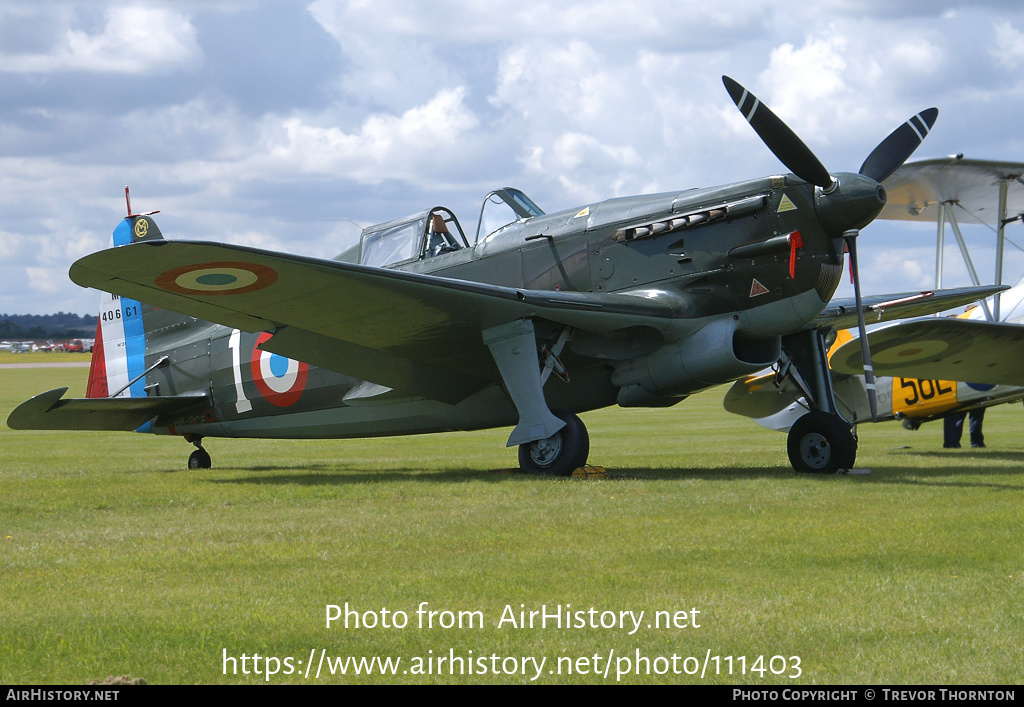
<point>47,411</point>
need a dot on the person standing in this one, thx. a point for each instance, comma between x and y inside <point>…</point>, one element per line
<point>953,429</point>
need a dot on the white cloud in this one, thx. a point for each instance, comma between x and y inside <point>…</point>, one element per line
<point>458,21</point>
<point>586,169</point>
<point>46,280</point>
<point>417,145</point>
<point>429,103</point>
<point>134,40</point>
<point>1009,49</point>
<point>10,244</point>
<point>808,85</point>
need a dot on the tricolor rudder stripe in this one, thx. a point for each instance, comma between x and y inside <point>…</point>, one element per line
<point>120,353</point>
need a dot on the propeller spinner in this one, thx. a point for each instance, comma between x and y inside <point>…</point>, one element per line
<point>838,211</point>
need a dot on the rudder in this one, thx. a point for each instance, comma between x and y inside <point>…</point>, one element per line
<point>119,354</point>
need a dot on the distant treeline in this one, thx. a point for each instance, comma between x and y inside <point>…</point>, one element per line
<point>47,326</point>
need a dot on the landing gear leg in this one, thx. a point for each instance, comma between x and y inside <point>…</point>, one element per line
<point>822,441</point>
<point>199,459</point>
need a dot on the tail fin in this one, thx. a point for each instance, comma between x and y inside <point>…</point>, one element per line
<point>119,355</point>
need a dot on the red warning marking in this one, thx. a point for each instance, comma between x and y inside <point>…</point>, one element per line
<point>756,288</point>
<point>796,241</point>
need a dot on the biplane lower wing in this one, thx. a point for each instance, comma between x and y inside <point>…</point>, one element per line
<point>763,395</point>
<point>49,411</point>
<point>942,349</point>
<point>420,334</point>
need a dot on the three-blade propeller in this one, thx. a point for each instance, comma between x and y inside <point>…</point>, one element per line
<point>885,159</point>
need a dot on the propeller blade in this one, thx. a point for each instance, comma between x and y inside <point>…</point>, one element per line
<point>865,349</point>
<point>894,150</point>
<point>778,136</point>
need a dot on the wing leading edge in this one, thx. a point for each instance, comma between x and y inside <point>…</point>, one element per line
<point>418,333</point>
<point>841,313</point>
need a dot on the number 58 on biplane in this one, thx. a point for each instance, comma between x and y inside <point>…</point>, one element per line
<point>635,301</point>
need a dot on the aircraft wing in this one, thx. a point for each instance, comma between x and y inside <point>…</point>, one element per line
<point>841,313</point>
<point>916,188</point>
<point>941,349</point>
<point>422,334</point>
<point>758,396</point>
<point>47,411</point>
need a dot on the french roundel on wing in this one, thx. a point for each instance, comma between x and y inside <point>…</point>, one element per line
<point>280,380</point>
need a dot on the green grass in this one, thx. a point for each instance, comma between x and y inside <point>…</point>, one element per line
<point>44,357</point>
<point>115,560</point>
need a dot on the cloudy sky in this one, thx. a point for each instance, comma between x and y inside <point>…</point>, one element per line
<point>268,123</point>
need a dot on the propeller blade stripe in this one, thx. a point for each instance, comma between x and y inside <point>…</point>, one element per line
<point>918,126</point>
<point>742,101</point>
<point>757,102</point>
<point>894,150</point>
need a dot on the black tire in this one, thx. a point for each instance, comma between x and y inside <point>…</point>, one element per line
<point>559,454</point>
<point>199,459</point>
<point>820,443</point>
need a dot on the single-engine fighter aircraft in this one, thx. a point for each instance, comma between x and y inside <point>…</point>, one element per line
<point>639,301</point>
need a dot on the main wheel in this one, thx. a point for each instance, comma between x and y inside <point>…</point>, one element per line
<point>821,443</point>
<point>199,459</point>
<point>559,454</point>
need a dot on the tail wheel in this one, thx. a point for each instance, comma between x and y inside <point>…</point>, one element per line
<point>821,443</point>
<point>559,454</point>
<point>200,459</point>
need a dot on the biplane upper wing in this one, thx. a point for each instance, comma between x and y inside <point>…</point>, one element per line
<point>941,349</point>
<point>916,189</point>
<point>421,334</point>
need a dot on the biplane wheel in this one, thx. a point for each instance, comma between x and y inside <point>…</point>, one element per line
<point>821,443</point>
<point>199,459</point>
<point>559,454</point>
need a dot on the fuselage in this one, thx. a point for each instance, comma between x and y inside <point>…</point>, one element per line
<point>743,264</point>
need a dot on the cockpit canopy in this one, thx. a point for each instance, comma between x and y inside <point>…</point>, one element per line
<point>502,207</point>
<point>423,235</point>
<point>437,232</point>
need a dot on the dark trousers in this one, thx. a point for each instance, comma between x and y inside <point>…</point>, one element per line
<point>953,428</point>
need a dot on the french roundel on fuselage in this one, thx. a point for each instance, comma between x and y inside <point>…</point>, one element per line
<point>280,380</point>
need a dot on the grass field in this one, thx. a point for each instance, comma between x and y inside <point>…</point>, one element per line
<point>115,560</point>
<point>44,357</point>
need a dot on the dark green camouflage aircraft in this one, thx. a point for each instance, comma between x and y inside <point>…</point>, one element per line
<point>637,301</point>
